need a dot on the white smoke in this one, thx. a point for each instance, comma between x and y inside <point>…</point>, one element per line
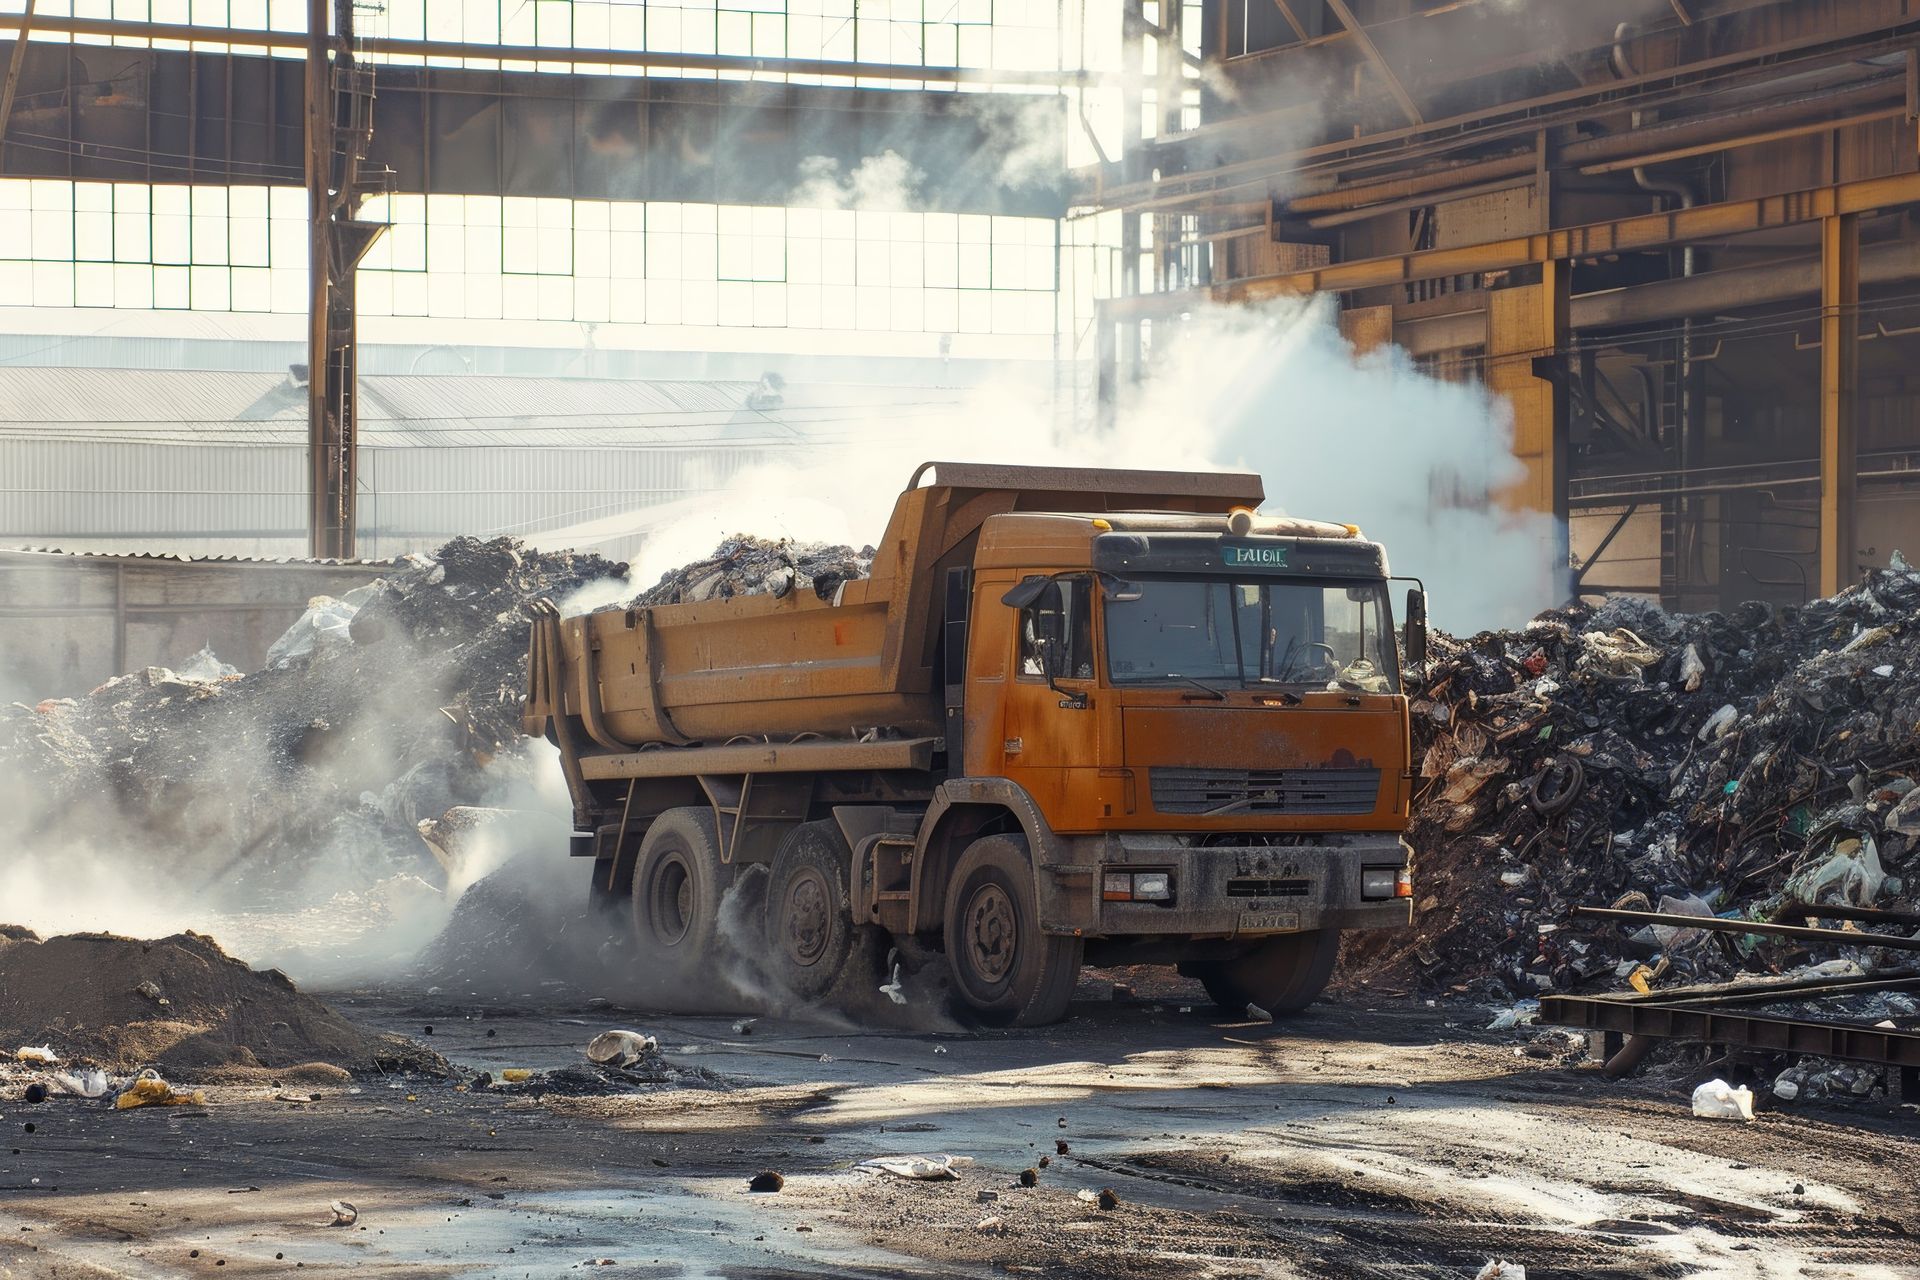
<point>1417,462</point>
<point>887,181</point>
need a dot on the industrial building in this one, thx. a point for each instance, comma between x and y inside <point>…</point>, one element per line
<point>1675,235</point>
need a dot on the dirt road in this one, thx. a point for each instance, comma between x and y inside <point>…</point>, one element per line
<point>1401,1142</point>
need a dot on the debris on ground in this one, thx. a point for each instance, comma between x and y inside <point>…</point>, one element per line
<point>343,1214</point>
<point>1754,765</point>
<point>620,1048</point>
<point>1498,1269</point>
<point>597,1080</point>
<point>81,994</point>
<point>766,1180</point>
<point>1718,1100</point>
<point>150,1089</point>
<point>744,565</point>
<point>924,1168</point>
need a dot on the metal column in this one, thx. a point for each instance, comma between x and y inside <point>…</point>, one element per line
<point>1839,373</point>
<point>339,123</point>
<point>1526,325</point>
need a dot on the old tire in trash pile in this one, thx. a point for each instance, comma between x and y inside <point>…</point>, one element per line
<point>1006,970</point>
<point>814,946</point>
<point>1284,974</point>
<point>678,882</point>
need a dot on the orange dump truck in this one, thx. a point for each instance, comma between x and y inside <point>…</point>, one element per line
<point>1071,714</point>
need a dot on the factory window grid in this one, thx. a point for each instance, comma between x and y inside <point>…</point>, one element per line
<point>244,249</point>
<point>982,34</point>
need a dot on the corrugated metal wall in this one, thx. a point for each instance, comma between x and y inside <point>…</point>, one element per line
<point>250,499</point>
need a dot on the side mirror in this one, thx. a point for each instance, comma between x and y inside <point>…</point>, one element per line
<point>1025,592</point>
<point>1415,644</point>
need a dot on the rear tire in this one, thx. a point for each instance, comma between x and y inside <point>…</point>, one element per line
<point>814,947</point>
<point>1282,975</point>
<point>678,881</point>
<point>1006,970</point>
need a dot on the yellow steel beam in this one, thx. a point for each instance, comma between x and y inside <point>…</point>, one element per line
<point>1839,372</point>
<point>1527,324</point>
<point>1378,59</point>
<point>1623,235</point>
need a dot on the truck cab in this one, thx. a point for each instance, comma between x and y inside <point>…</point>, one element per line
<point>1070,716</point>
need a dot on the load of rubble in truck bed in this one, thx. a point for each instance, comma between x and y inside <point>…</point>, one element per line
<point>744,565</point>
<point>1742,765</point>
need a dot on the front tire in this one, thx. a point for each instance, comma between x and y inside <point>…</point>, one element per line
<point>678,881</point>
<point>1282,975</point>
<point>1006,970</point>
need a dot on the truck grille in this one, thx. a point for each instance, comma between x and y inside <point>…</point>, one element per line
<point>1230,791</point>
<point>1252,887</point>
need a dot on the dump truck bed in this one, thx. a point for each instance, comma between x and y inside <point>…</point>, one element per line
<point>858,665</point>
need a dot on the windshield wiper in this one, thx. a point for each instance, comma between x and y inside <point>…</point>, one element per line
<point>1207,688</point>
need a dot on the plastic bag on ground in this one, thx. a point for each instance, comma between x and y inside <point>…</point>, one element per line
<point>927,1168</point>
<point>204,665</point>
<point>36,1053</point>
<point>1670,936</point>
<point>1500,1269</point>
<point>1718,1100</point>
<point>1852,872</point>
<point>620,1048</point>
<point>325,624</point>
<point>88,1082</point>
<point>1524,1012</point>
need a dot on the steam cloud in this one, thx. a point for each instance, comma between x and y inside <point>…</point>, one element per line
<point>1418,463</point>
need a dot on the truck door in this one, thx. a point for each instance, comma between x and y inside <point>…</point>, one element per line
<point>1050,726</point>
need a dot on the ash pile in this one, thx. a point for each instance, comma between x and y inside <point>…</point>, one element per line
<point>375,712</point>
<point>744,565</point>
<point>179,1003</point>
<point>1753,765</point>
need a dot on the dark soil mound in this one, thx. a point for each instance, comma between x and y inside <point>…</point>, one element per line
<point>178,1002</point>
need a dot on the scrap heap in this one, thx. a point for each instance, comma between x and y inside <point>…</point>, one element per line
<point>1741,765</point>
<point>375,711</point>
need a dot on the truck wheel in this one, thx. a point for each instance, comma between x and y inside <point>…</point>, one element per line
<point>1005,969</point>
<point>1282,975</point>
<point>678,881</point>
<point>814,946</point>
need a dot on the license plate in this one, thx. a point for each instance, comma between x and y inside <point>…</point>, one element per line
<point>1269,921</point>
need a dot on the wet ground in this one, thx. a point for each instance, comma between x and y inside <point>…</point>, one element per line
<point>1401,1141</point>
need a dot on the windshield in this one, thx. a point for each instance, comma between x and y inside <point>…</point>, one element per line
<point>1298,634</point>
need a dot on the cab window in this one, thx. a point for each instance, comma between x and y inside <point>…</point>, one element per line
<point>1058,620</point>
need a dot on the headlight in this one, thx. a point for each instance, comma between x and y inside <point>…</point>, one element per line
<point>1153,886</point>
<point>1381,882</point>
<point>1137,886</point>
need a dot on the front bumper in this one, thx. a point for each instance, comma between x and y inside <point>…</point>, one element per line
<point>1225,891</point>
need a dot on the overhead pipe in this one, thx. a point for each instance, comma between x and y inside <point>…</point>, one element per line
<point>1430,180</point>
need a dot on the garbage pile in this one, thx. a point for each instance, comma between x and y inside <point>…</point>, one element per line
<point>375,712</point>
<point>744,565</point>
<point>81,1005</point>
<point>1746,765</point>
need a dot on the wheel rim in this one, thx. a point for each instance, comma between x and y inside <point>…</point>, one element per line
<point>670,902</point>
<point>992,929</point>
<point>807,917</point>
